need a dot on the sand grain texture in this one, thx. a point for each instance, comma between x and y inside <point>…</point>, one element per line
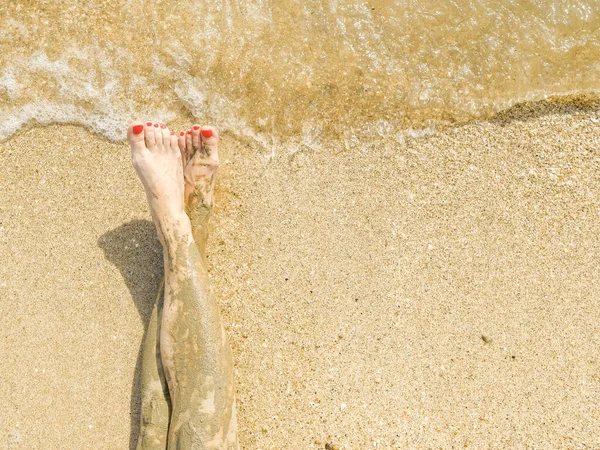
<point>434,293</point>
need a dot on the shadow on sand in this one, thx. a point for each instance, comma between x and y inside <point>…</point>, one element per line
<point>134,249</point>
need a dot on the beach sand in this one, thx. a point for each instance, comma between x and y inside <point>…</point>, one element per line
<point>440,292</point>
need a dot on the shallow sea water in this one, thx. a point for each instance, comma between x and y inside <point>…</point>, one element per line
<point>281,70</point>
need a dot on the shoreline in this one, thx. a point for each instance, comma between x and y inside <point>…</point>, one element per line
<point>379,131</point>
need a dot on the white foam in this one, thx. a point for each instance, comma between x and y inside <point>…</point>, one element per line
<point>9,83</point>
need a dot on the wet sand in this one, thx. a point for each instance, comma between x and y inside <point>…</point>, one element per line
<point>439,292</point>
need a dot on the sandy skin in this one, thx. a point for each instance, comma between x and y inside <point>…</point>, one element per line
<point>188,400</point>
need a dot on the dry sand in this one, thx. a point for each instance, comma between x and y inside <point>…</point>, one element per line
<point>436,293</point>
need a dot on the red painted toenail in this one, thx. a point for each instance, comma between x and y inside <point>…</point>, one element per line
<point>172,133</point>
<point>156,125</point>
<point>162,125</point>
<point>182,133</point>
<point>137,129</point>
<point>196,127</point>
<point>207,133</point>
<point>149,124</point>
<point>189,132</point>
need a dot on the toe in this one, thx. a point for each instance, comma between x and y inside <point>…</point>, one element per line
<point>135,136</point>
<point>174,143</point>
<point>158,138</point>
<point>181,143</point>
<point>196,141</point>
<point>166,136</point>
<point>150,135</point>
<point>189,150</point>
<point>210,141</point>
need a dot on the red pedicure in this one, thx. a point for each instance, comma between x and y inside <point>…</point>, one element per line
<point>155,125</point>
<point>163,126</point>
<point>137,129</point>
<point>172,133</point>
<point>182,133</point>
<point>196,127</point>
<point>189,132</point>
<point>149,124</point>
<point>207,133</point>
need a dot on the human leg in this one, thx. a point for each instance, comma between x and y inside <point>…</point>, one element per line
<point>194,349</point>
<point>156,402</point>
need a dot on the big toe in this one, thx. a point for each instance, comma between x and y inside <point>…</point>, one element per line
<point>210,141</point>
<point>135,136</point>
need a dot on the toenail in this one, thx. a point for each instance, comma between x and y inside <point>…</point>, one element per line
<point>182,133</point>
<point>189,132</point>
<point>207,133</point>
<point>162,125</point>
<point>156,125</point>
<point>196,127</point>
<point>172,133</point>
<point>149,124</point>
<point>137,129</point>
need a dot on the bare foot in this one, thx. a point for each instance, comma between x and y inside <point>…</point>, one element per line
<point>157,160</point>
<point>200,163</point>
